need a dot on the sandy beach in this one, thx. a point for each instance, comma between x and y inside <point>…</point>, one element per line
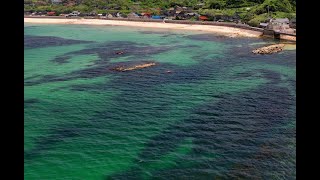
<point>222,30</point>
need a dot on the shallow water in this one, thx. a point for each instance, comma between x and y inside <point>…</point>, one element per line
<point>220,111</point>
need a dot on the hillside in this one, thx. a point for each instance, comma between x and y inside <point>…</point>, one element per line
<point>250,11</point>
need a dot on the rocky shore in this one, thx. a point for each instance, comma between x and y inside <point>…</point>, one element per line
<point>269,49</point>
<point>122,69</point>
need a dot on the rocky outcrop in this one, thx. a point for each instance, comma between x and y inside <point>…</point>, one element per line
<point>269,49</point>
<point>140,66</point>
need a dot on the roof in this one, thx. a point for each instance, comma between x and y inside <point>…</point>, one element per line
<point>133,14</point>
<point>156,17</point>
<point>281,20</point>
<point>148,14</point>
<point>203,17</point>
<point>263,24</point>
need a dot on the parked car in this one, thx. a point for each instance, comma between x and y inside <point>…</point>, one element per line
<point>73,14</point>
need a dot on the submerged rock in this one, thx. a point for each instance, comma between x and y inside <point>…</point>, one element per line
<point>269,49</point>
<point>119,52</point>
<point>140,66</point>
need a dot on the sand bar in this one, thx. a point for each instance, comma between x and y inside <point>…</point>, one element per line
<point>222,30</point>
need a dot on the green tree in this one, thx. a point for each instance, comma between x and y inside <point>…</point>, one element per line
<point>215,4</point>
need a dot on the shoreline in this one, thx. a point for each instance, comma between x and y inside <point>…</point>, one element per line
<point>221,30</point>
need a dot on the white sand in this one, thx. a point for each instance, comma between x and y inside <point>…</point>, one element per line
<point>228,31</point>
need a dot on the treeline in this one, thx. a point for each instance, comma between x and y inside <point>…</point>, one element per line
<point>128,4</point>
<point>250,11</point>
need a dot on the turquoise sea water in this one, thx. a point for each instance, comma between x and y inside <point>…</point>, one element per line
<point>219,113</point>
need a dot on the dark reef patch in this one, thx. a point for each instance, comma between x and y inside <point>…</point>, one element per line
<point>47,142</point>
<point>240,129</point>
<point>31,101</point>
<point>108,51</point>
<point>138,54</point>
<point>32,77</point>
<point>62,59</point>
<point>226,39</point>
<point>30,27</point>
<point>31,42</point>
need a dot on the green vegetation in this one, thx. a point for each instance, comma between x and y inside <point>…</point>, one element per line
<point>258,19</point>
<point>250,11</point>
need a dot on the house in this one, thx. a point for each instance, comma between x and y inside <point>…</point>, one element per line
<point>180,16</point>
<point>187,9</point>
<point>279,24</point>
<point>52,13</point>
<point>156,17</point>
<point>203,18</point>
<point>146,15</point>
<point>83,14</point>
<point>186,16</point>
<point>117,8</point>
<point>113,14</point>
<point>263,25</point>
<point>92,14</point>
<point>236,17</point>
<point>178,12</point>
<point>56,1</point>
<point>292,23</point>
<point>133,15</point>
<point>118,14</point>
<point>224,18</point>
<point>171,12</point>
<point>178,8</point>
<point>190,15</point>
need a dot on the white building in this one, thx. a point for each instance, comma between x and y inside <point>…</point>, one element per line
<point>56,1</point>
